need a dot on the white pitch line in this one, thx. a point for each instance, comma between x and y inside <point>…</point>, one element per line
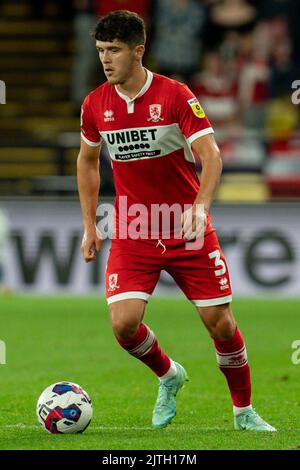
<point>123,428</point>
<point>103,428</point>
<point>20,425</point>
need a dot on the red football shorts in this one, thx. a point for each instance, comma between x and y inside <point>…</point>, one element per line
<point>134,267</point>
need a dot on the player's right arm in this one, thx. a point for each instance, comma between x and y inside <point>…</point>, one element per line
<point>88,178</point>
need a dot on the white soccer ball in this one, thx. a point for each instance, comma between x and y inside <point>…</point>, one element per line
<point>64,408</point>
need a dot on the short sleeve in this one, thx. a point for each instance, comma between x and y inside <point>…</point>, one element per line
<point>190,115</point>
<point>89,131</point>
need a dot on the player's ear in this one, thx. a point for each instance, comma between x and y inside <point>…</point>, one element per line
<point>139,51</point>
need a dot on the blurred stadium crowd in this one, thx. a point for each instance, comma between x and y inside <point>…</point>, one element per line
<point>240,57</point>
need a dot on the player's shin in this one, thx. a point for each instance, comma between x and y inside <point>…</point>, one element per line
<point>232,361</point>
<point>144,346</point>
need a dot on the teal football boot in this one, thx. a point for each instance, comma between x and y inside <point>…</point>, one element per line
<point>250,421</point>
<point>165,406</point>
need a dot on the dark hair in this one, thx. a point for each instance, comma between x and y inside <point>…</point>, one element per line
<point>123,25</point>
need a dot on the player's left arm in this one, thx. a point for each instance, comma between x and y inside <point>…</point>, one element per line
<point>208,153</point>
<point>195,219</point>
<point>197,129</point>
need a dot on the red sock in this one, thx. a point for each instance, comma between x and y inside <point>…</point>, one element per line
<point>232,360</point>
<point>144,346</point>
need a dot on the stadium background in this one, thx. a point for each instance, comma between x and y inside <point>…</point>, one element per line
<point>241,58</point>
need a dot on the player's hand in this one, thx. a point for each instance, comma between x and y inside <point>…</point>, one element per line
<point>194,222</point>
<point>91,243</point>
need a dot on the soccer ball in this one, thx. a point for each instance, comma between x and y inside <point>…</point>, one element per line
<point>64,408</point>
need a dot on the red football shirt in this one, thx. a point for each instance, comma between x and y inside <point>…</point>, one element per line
<point>149,140</point>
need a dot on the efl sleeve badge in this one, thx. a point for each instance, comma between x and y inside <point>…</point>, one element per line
<point>196,107</point>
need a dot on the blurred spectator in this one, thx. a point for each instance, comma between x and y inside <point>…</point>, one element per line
<point>177,37</point>
<point>3,248</point>
<point>229,15</point>
<point>283,72</point>
<point>230,45</point>
<point>233,14</point>
<point>252,82</point>
<point>86,61</point>
<point>216,89</point>
<point>288,10</point>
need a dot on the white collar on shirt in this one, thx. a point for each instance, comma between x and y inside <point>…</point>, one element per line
<point>142,90</point>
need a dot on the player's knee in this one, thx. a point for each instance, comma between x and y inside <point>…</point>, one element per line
<point>124,332</point>
<point>224,328</point>
<point>123,329</point>
<point>125,320</point>
<point>219,321</point>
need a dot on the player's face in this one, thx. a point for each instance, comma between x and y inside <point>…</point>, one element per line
<point>118,60</point>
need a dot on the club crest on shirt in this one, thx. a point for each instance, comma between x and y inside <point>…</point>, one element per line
<point>113,282</point>
<point>196,107</point>
<point>155,112</point>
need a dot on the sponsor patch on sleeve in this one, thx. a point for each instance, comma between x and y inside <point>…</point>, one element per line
<point>196,107</point>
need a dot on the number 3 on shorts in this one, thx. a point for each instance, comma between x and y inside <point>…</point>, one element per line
<point>219,263</point>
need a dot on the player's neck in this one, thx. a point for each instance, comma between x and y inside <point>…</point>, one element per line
<point>134,84</point>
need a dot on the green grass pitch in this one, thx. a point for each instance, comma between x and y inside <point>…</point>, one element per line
<point>53,339</point>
